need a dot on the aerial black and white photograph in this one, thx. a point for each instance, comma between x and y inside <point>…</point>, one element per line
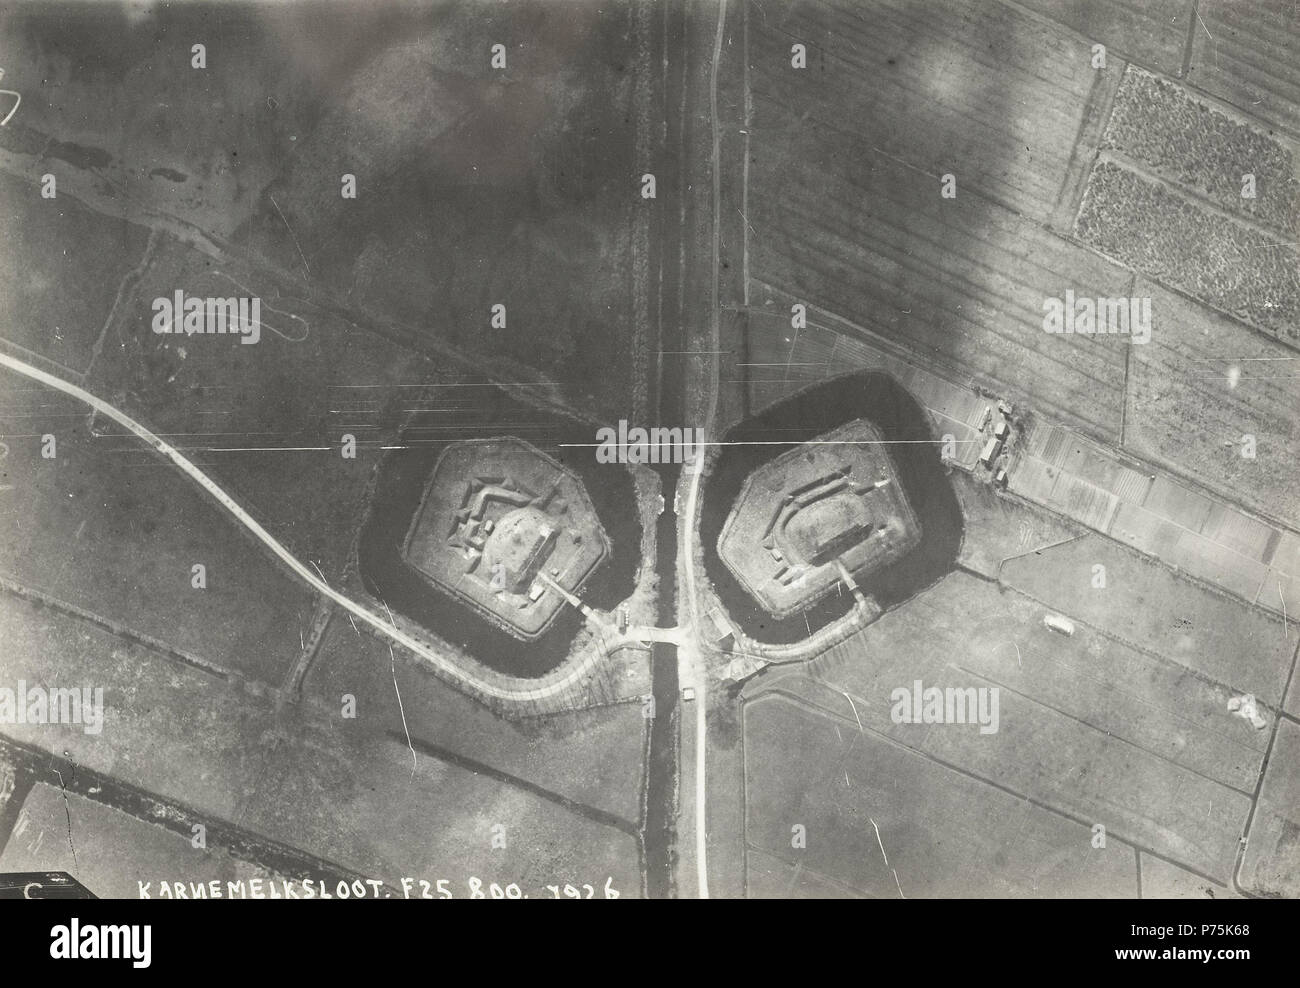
<point>650,449</point>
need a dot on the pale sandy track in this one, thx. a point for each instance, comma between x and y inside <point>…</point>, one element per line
<point>388,629</point>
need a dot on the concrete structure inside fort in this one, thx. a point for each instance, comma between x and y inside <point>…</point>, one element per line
<point>817,513</point>
<point>499,522</point>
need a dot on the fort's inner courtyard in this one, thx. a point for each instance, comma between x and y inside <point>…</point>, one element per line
<point>828,508</point>
<point>500,526</point>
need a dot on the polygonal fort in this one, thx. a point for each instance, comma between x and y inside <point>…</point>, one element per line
<point>501,524</point>
<point>825,509</point>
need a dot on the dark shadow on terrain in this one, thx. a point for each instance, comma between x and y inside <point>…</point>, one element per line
<point>402,477</point>
<point>602,817</point>
<point>848,146</point>
<point>901,420</point>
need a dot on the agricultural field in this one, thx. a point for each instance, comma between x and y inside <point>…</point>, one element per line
<point>1245,55</point>
<point>1208,632</point>
<point>1089,727</point>
<point>130,531</point>
<point>205,150</point>
<point>1148,32</point>
<point>267,419</point>
<point>882,820</point>
<point>186,733</point>
<point>62,273</point>
<point>1065,173</point>
<point>478,186</point>
<point>591,757</point>
<point>1269,866</point>
<point>42,842</point>
<point>1045,248</point>
<point>854,221</point>
<point>430,819</point>
<point>1201,385</point>
<point>998,530</point>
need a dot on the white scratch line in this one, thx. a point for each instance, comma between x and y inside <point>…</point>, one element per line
<point>1207,30</point>
<point>855,712</point>
<point>292,234</point>
<point>400,707</point>
<point>898,884</point>
<point>751,230</point>
<point>17,100</point>
<point>882,845</point>
<point>393,665</point>
<point>1285,635</point>
<point>810,442</point>
<point>67,810</point>
<point>13,109</point>
<point>252,449</point>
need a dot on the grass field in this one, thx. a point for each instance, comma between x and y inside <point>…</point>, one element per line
<point>475,185</point>
<point>1089,727</point>
<point>111,851</point>
<point>478,186</point>
<point>889,822</point>
<point>997,527</point>
<point>1246,54</point>
<point>1150,606</point>
<point>931,84</point>
<point>1271,865</point>
<point>437,822</point>
<point>60,271</point>
<point>1203,383</point>
<point>225,752</point>
<point>851,218</point>
<point>1163,880</point>
<point>1151,32</point>
<point>118,535</point>
<point>257,416</point>
<point>1125,722</point>
<point>204,150</point>
<point>592,757</point>
<point>174,730</point>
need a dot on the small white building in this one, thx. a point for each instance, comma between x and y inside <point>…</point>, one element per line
<point>1057,623</point>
